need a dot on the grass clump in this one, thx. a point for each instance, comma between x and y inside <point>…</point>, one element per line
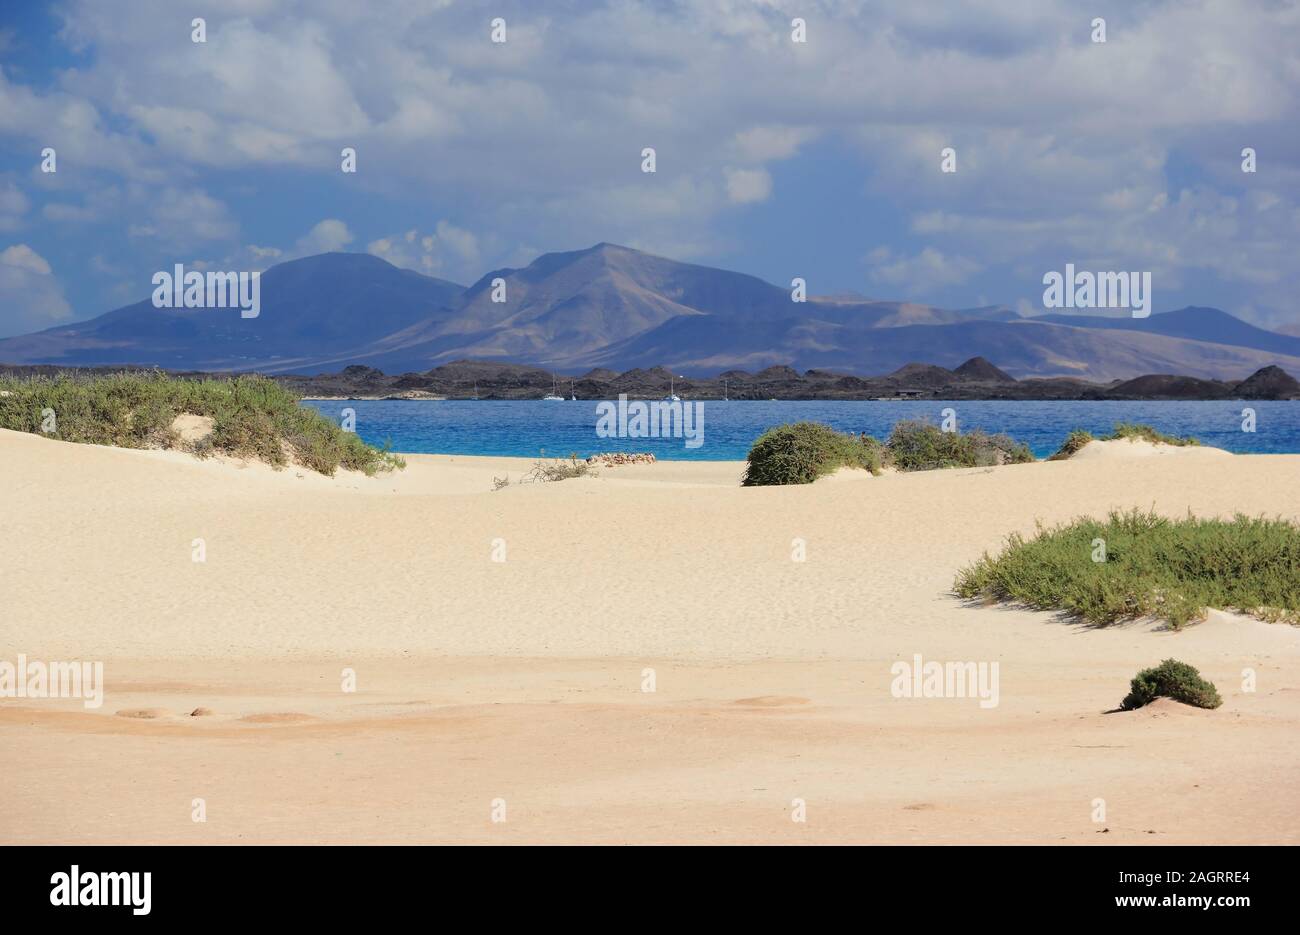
<point>801,452</point>
<point>915,445</point>
<point>253,417</point>
<point>1138,564</point>
<point>1147,433</point>
<point>1080,437</point>
<point>1171,679</point>
<point>1073,442</point>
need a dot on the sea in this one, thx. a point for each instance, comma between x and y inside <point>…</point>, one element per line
<point>540,428</point>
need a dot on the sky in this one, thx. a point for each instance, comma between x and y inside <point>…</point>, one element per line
<point>818,159</point>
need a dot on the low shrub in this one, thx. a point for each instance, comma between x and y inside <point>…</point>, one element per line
<point>1171,679</point>
<point>1147,433</point>
<point>253,417</point>
<point>915,445</point>
<point>547,471</point>
<point>1072,444</point>
<point>1139,564</point>
<point>801,452</point>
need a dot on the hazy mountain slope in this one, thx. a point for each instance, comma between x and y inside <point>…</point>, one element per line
<point>317,306</point>
<point>567,307</point>
<point>1023,348</point>
<point>611,306</point>
<point>1194,322</point>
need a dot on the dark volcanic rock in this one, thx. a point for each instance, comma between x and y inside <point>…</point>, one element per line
<point>497,380</point>
<point>1169,386</point>
<point>921,375</point>
<point>780,372</point>
<point>1268,383</point>
<point>979,370</point>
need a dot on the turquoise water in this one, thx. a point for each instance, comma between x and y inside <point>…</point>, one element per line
<point>523,428</point>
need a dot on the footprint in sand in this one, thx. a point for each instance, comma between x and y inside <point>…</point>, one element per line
<point>771,701</point>
<point>280,717</point>
<point>144,713</point>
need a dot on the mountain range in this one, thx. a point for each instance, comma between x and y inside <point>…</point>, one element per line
<point>618,308</point>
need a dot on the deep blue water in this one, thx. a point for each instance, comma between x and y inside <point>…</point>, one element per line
<point>523,428</point>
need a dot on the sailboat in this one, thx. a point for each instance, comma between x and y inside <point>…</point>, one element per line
<point>553,397</point>
<point>475,396</point>
<point>725,397</point>
<point>672,396</point>
<point>572,398</point>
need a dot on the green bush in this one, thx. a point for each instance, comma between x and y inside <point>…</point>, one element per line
<point>1171,679</point>
<point>801,452</point>
<point>1147,433</point>
<point>253,417</point>
<point>1073,442</point>
<point>1169,569</point>
<point>915,445</point>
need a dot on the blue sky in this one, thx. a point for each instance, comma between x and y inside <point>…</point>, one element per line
<point>781,159</point>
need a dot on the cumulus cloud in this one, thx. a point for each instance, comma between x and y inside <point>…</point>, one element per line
<point>30,295</point>
<point>329,236</point>
<point>180,218</point>
<point>920,274</point>
<point>748,185</point>
<point>13,207</point>
<point>1064,146</point>
<point>449,252</point>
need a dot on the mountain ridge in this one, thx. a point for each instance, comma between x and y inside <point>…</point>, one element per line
<point>617,308</point>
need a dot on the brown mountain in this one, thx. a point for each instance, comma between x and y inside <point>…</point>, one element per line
<point>617,309</point>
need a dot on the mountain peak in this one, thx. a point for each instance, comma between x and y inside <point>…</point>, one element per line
<point>1271,382</point>
<point>979,368</point>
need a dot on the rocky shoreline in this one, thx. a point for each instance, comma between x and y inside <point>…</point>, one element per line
<point>976,379</point>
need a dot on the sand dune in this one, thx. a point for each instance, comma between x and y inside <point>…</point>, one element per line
<point>523,679</point>
<point>1123,449</point>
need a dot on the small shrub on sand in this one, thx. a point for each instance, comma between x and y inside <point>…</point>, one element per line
<point>546,471</point>
<point>1072,444</point>
<point>915,445</point>
<point>1147,565</point>
<point>801,452</point>
<point>1171,679</point>
<point>253,417</point>
<point>1148,434</point>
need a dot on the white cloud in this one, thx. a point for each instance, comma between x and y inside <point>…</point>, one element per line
<point>180,218</point>
<point>30,297</point>
<point>745,186</point>
<point>329,236</point>
<point>1062,144</point>
<point>21,256</point>
<point>13,207</point>
<point>762,144</point>
<point>449,251</point>
<point>924,273</point>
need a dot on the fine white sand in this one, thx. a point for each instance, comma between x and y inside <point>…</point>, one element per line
<point>523,679</point>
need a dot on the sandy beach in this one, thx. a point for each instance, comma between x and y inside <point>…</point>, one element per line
<point>501,642</point>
